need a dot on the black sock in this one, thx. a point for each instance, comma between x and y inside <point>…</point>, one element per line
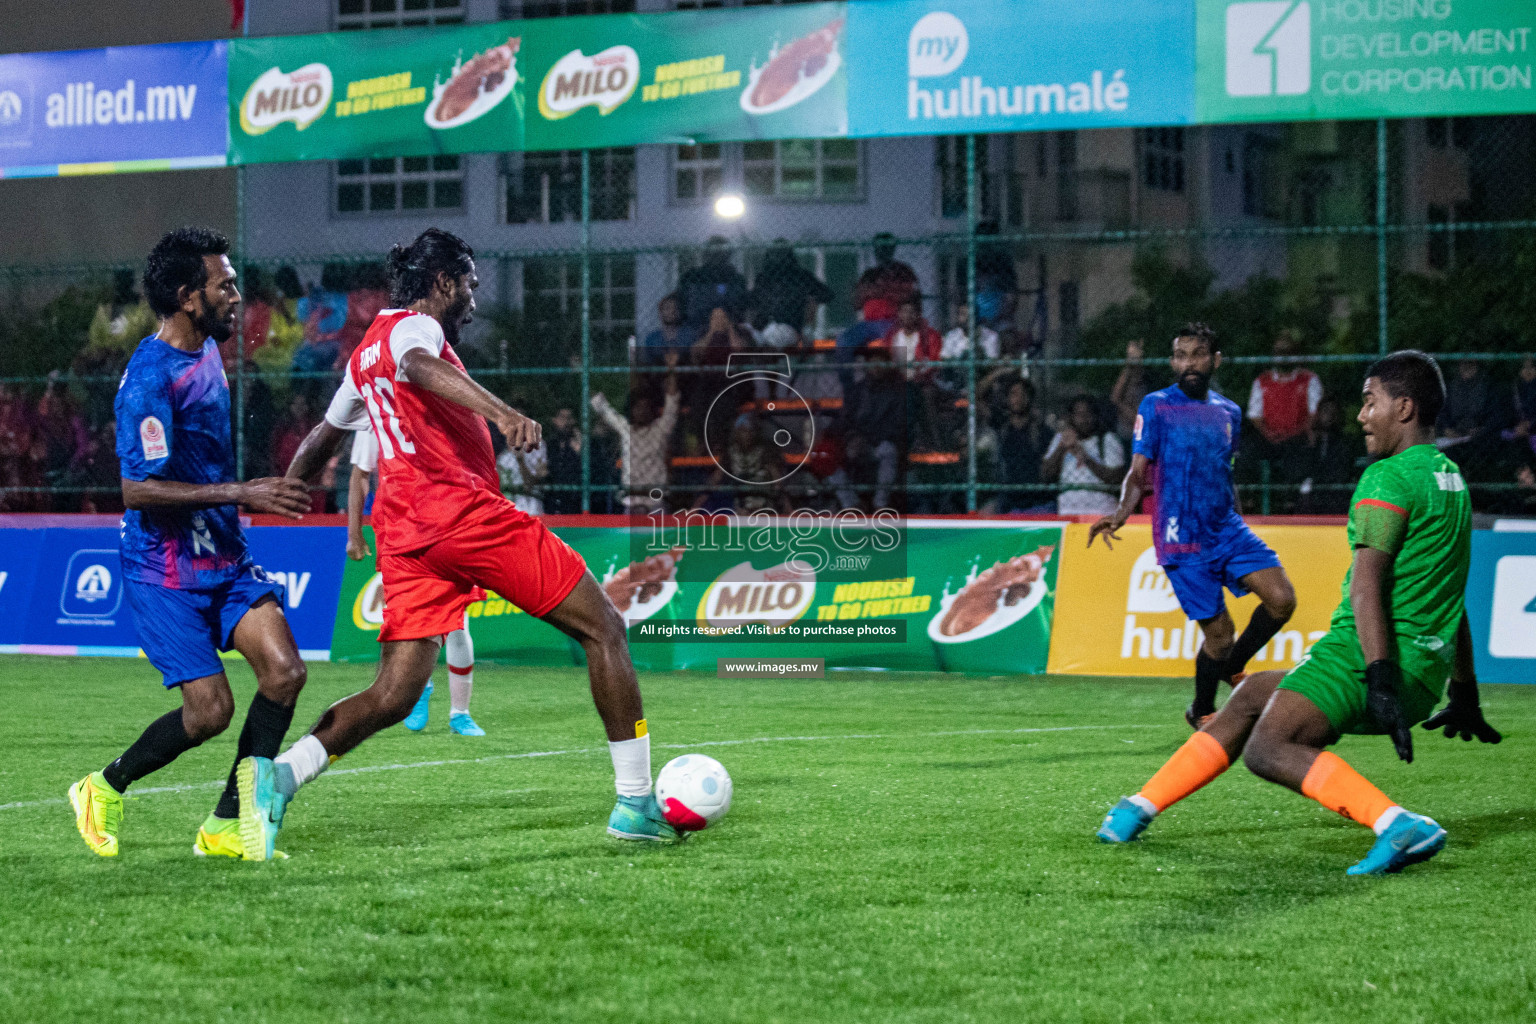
<point>164,741</point>
<point>1259,631</point>
<point>1207,678</point>
<point>261,735</point>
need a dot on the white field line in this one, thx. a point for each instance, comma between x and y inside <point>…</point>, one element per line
<point>193,786</point>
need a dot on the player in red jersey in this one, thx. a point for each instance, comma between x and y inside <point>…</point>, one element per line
<point>444,531</point>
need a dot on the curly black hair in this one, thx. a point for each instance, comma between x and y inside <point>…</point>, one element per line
<point>413,268</point>
<point>176,262</point>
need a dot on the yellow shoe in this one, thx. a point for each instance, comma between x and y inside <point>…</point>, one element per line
<point>98,813</point>
<point>219,837</point>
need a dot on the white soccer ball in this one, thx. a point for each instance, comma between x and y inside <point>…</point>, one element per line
<point>694,792</point>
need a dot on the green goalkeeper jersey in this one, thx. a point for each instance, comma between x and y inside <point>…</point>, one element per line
<point>1415,507</point>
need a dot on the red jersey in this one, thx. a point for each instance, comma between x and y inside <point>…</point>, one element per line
<point>436,466</point>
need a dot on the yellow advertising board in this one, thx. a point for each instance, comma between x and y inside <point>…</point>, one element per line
<point>1116,614</point>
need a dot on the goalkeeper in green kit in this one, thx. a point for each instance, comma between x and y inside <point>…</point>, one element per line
<point>1397,643</point>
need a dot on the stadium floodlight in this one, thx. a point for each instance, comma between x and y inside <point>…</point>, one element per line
<point>730,206</point>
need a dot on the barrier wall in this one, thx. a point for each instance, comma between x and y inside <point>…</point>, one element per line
<point>1084,612</point>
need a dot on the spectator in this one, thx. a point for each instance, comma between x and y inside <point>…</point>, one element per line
<point>521,475</point>
<point>713,285</point>
<point>290,432</point>
<point>997,282</point>
<point>873,428</point>
<point>1476,411</point>
<point>957,343</point>
<point>711,351</point>
<point>752,466</point>
<point>60,447</point>
<point>1522,500</point>
<point>1525,406</point>
<point>1130,388</point>
<point>100,472</point>
<point>1330,459</point>
<point>323,312</point>
<point>256,307</point>
<point>368,295</point>
<point>1022,440</point>
<point>1281,405</point>
<point>1082,453</point>
<point>672,334</point>
<point>563,451</point>
<point>786,293</point>
<point>915,345</point>
<point>645,443</point>
<point>876,294</point>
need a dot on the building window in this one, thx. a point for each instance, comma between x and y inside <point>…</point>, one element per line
<point>949,162</point>
<point>546,188</point>
<point>1456,132</point>
<point>1261,190</point>
<point>1066,178</point>
<point>552,298</point>
<point>512,9</point>
<point>355,14</point>
<point>399,184</point>
<point>1162,159</point>
<point>802,169</point>
<point>697,171</point>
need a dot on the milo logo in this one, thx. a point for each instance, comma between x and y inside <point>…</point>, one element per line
<point>773,597</point>
<point>299,96</point>
<point>604,80</point>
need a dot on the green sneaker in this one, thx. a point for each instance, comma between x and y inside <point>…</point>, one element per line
<point>261,807</point>
<point>639,818</point>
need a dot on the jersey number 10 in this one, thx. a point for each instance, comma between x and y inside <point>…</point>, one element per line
<point>381,409</point>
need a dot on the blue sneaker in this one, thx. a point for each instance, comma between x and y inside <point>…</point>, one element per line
<point>417,719</point>
<point>1125,822</point>
<point>1408,840</point>
<point>461,723</point>
<point>640,818</point>
<point>261,807</point>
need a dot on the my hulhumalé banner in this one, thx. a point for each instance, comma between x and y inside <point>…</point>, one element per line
<point>123,108</point>
<point>689,76</point>
<point>969,597</point>
<point>411,92</point>
<point>940,66</point>
<point>1296,60</point>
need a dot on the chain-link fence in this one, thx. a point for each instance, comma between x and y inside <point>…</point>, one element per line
<point>1046,273</point>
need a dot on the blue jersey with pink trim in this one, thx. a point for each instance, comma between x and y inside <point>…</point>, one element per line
<point>1193,443</point>
<point>173,424</point>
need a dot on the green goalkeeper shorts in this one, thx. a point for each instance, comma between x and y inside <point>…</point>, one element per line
<point>1332,676</point>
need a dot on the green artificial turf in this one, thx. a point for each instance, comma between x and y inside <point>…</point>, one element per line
<point>902,847</point>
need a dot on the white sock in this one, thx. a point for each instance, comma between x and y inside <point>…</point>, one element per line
<point>304,760</point>
<point>1388,816</point>
<point>632,764</point>
<point>461,671</point>
<point>1144,804</point>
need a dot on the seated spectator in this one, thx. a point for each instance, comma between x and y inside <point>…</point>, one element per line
<point>1330,459</point>
<point>873,427</point>
<point>786,293</point>
<point>876,294</point>
<point>521,475</point>
<point>645,443</point>
<point>1130,388</point>
<point>1476,412</point>
<point>997,281</point>
<point>562,444</point>
<point>672,334</point>
<point>1524,430</point>
<point>1022,440</point>
<point>713,285</point>
<point>957,343</point>
<point>323,313</point>
<point>368,295</point>
<point>1083,453</point>
<point>1281,404</point>
<point>712,351</point>
<point>915,346</point>
<point>752,469</point>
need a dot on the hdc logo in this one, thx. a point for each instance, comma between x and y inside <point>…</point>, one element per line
<point>1269,48</point>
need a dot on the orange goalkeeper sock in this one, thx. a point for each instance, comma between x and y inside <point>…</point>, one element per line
<point>1193,765</point>
<point>1334,784</point>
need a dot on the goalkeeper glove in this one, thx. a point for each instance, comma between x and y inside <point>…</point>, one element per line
<point>1383,679</point>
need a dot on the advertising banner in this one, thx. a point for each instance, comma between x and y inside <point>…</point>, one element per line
<point>19,550</point>
<point>1501,606</point>
<point>1291,60</point>
<point>308,559</point>
<point>1117,614</point>
<point>624,80</point>
<point>77,604</point>
<point>124,108</point>
<point>939,66</point>
<point>975,597</point>
<point>407,92</point>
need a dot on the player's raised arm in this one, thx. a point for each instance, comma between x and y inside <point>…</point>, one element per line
<point>1131,491</point>
<point>446,381</point>
<point>1463,715</point>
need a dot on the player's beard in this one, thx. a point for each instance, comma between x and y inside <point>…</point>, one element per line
<point>1195,385</point>
<point>211,324</point>
<point>453,320</point>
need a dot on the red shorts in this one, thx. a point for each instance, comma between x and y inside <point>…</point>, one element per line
<point>507,551</point>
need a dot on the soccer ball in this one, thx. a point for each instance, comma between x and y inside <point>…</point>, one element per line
<point>694,792</point>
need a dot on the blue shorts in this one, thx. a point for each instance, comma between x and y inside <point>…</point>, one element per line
<point>183,631</point>
<point>1197,583</point>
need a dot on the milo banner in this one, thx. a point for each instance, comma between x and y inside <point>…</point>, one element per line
<point>1291,60</point>
<point>411,92</point>
<point>1119,615</point>
<point>970,597</point>
<point>625,80</point>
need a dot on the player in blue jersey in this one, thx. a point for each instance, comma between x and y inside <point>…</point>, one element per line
<point>1202,543</point>
<point>187,572</point>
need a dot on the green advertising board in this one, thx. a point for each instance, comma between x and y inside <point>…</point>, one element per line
<point>625,80</point>
<point>1290,60</point>
<point>972,597</point>
<point>414,92</point>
